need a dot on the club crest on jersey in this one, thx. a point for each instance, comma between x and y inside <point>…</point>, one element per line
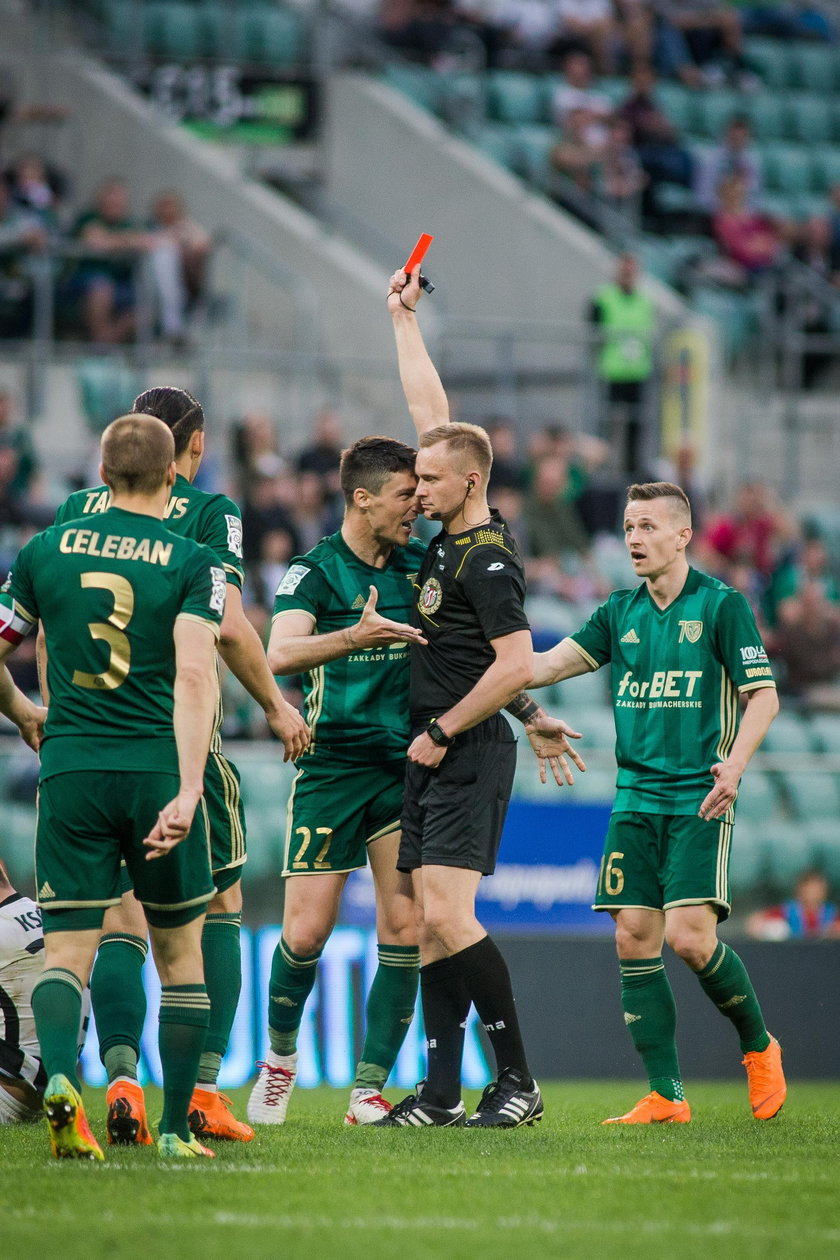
<point>430,596</point>
<point>690,630</point>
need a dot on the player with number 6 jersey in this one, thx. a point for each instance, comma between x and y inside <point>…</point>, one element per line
<point>683,650</point>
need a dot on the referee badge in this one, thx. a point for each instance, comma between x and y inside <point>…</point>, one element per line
<point>430,596</point>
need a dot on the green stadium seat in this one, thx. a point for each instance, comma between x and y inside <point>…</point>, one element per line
<point>533,146</point>
<point>125,26</point>
<point>714,110</point>
<point>497,143</point>
<point>787,168</point>
<point>106,389</point>
<point>174,30</point>
<point>812,119</point>
<point>463,101</point>
<point>747,857</point>
<point>791,733</point>
<point>734,313</point>
<point>771,61</point>
<point>781,205</point>
<point>597,727</point>
<point>826,167</point>
<point>790,851</point>
<point>824,839</point>
<point>814,67</point>
<point>220,34</point>
<point>678,104</point>
<point>758,799</point>
<point>616,90</point>
<point>423,87</point>
<point>768,115</point>
<point>278,36</point>
<point>514,97</point>
<point>583,693</point>
<point>826,728</point>
<point>812,795</point>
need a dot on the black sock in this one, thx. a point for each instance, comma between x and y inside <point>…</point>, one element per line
<point>487,980</point>
<point>446,1005</point>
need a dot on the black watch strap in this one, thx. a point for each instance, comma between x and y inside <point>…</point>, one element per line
<point>438,735</point>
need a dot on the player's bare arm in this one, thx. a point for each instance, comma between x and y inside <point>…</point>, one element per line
<point>29,718</point>
<point>241,650</point>
<point>560,662</point>
<point>293,647</point>
<point>497,686</point>
<point>762,707</point>
<point>421,383</point>
<point>549,737</point>
<point>196,695</point>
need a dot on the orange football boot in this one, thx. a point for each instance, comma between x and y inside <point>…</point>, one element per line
<point>210,1117</point>
<point>654,1109</point>
<point>766,1080</point>
<point>126,1123</point>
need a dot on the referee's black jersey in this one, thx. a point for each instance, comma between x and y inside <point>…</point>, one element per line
<point>470,589</point>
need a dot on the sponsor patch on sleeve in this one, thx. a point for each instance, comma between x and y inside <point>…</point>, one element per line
<point>234,535</point>
<point>292,580</point>
<point>218,592</point>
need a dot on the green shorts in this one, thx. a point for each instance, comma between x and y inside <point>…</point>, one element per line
<point>656,862</point>
<point>336,810</point>
<point>226,820</point>
<point>87,823</point>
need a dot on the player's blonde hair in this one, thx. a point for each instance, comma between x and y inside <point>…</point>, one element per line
<point>136,454</point>
<point>647,490</point>
<point>468,443</point>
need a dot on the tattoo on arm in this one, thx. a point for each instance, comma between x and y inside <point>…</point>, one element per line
<point>524,707</point>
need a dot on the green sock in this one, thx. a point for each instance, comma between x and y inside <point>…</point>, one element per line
<point>220,947</point>
<point>119,1001</point>
<point>389,1011</point>
<point>57,1007</point>
<point>184,1016</point>
<point>292,979</point>
<point>725,980</point>
<point>651,1015</point>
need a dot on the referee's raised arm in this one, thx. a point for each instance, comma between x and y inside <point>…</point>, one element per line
<point>424,392</point>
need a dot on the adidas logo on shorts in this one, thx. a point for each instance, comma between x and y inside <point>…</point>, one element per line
<point>45,892</point>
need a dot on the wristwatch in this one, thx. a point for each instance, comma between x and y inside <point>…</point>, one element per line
<point>438,735</point>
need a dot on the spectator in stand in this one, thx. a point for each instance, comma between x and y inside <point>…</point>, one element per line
<point>269,507</point>
<point>276,550</point>
<point>420,29</point>
<point>105,281</point>
<point>654,138</point>
<point>808,915</point>
<point>578,155</point>
<point>750,242</point>
<point>508,469</point>
<point>194,245</point>
<point>734,156</point>
<point>553,537</point>
<point>255,452</point>
<point>577,96</point>
<point>20,485</point>
<point>530,28</point>
<point>713,36</point>
<point>620,178</point>
<point>586,26</point>
<point>809,562</point>
<point>323,455</point>
<point>36,190</point>
<point>752,533</point>
<point>21,237</point>
<point>807,642</point>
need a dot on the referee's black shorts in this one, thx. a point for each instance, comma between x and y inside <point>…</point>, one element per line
<point>453,815</point>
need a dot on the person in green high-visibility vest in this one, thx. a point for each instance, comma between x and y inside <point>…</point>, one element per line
<point>627,320</point>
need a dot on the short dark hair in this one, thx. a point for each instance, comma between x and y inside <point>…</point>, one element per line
<point>368,464</point>
<point>178,410</point>
<point>136,453</point>
<point>468,443</point>
<point>647,490</point>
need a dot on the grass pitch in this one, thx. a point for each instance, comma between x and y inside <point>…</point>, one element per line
<point>725,1184</point>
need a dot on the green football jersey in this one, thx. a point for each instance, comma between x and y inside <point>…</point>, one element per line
<point>108,594</point>
<point>357,706</point>
<point>675,675</point>
<point>211,519</point>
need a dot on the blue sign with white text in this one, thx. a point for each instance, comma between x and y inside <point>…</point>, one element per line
<point>545,877</point>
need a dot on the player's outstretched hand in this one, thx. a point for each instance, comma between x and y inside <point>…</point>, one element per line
<point>404,291</point>
<point>173,824</point>
<point>372,630</point>
<point>288,725</point>
<point>31,725</point>
<point>549,737</point>
<point>723,794</point>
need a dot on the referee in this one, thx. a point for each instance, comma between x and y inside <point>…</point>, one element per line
<point>477,658</point>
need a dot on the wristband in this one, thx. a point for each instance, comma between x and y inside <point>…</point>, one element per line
<point>438,735</point>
